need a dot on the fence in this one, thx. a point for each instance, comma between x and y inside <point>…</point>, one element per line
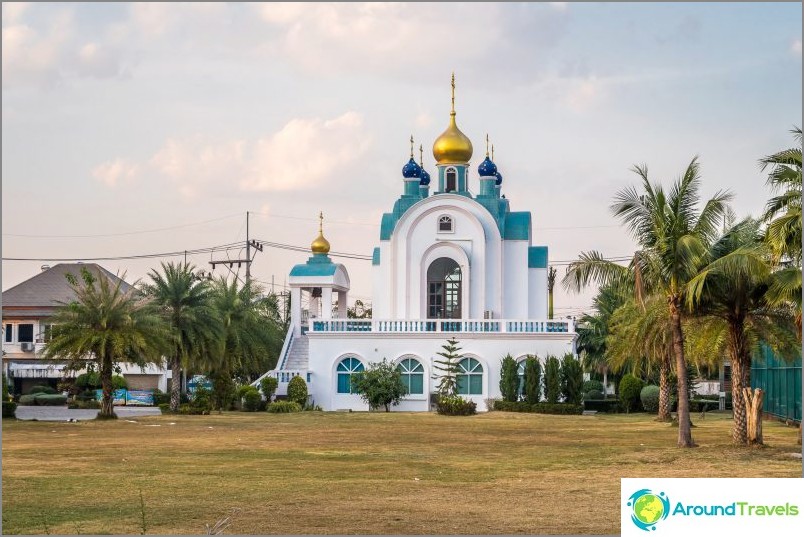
<point>781,381</point>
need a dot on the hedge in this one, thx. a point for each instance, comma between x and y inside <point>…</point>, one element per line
<point>284,407</point>
<point>50,400</point>
<point>539,408</point>
<point>610,406</point>
<point>9,409</point>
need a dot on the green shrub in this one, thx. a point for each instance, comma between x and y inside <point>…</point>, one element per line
<point>571,375</point>
<point>552,379</point>
<point>630,388</point>
<point>29,399</point>
<point>297,390</point>
<point>609,406</point>
<point>6,397</point>
<point>202,399</point>
<point>9,409</point>
<point>119,383</point>
<point>45,399</point>
<point>455,405</point>
<point>164,407</point>
<point>533,380</point>
<point>83,404</point>
<point>594,395</point>
<point>284,407</point>
<point>161,397</point>
<point>190,410</point>
<point>509,378</point>
<point>539,408</point>
<point>252,401</point>
<point>593,385</point>
<point>649,396</point>
<point>268,387</point>
<point>43,389</point>
<point>88,381</point>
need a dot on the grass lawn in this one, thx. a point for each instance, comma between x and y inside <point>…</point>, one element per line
<point>358,473</point>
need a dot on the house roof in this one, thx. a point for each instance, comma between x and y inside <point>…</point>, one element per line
<point>48,288</point>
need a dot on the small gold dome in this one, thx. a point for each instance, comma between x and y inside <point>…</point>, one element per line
<point>453,146</point>
<point>320,245</point>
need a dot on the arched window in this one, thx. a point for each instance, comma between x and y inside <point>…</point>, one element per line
<point>346,369</point>
<point>470,377</point>
<point>412,375</point>
<point>444,289</point>
<point>452,180</point>
<point>445,224</point>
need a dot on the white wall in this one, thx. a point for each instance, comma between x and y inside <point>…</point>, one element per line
<point>326,350</point>
<point>537,293</point>
<point>515,280</point>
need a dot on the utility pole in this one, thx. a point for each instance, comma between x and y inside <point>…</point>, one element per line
<point>248,253</point>
<point>249,245</point>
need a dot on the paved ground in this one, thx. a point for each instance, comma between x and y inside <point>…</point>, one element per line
<point>62,413</point>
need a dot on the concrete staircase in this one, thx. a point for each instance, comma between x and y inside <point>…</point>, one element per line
<point>298,357</point>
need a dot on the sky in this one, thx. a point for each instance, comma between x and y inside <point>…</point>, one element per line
<point>142,128</point>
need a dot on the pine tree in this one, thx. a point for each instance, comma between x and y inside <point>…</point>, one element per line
<point>509,379</point>
<point>448,368</point>
<point>552,381</point>
<point>533,380</point>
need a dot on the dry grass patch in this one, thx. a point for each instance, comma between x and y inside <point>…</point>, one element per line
<point>368,473</point>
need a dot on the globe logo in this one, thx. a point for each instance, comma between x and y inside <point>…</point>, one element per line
<point>648,508</point>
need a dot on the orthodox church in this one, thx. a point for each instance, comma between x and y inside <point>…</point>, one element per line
<point>450,264</point>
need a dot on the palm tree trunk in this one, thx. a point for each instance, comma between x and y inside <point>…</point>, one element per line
<point>684,429</point>
<point>175,383</point>
<point>107,401</point>
<point>664,390</point>
<point>738,434</point>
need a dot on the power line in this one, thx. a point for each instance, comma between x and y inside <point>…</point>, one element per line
<point>123,257</point>
<point>154,230</point>
<point>271,215</point>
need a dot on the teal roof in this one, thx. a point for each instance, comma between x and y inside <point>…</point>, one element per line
<point>387,226</point>
<point>537,257</point>
<point>317,265</point>
<point>375,256</point>
<point>517,226</point>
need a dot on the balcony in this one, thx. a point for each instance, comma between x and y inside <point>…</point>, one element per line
<point>429,326</point>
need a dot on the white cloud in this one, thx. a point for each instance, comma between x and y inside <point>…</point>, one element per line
<point>795,47</point>
<point>560,6</point>
<point>303,154</point>
<point>115,172</point>
<point>13,11</point>
<point>583,93</point>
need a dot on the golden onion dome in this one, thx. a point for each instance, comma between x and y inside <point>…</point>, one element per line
<point>453,146</point>
<point>320,245</point>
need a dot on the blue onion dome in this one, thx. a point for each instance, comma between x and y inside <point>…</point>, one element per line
<point>487,168</point>
<point>425,180</point>
<point>411,169</point>
<point>498,182</point>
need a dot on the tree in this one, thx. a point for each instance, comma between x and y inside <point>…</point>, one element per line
<point>552,379</point>
<point>729,296</point>
<point>196,329</point>
<point>448,368</point>
<point>509,379</point>
<point>380,385</point>
<point>105,325</point>
<point>533,380</point>
<point>571,376</point>
<point>551,283</point>
<point>630,390</point>
<point>297,390</point>
<point>674,236</point>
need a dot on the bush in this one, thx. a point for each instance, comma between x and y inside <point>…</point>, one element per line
<point>88,381</point>
<point>455,405</point>
<point>379,386</point>
<point>268,386</point>
<point>593,385</point>
<point>571,379</point>
<point>594,395</point>
<point>539,408</point>
<point>202,399</point>
<point>533,380</point>
<point>44,399</point>
<point>9,409</point>
<point>284,407</point>
<point>43,389</point>
<point>164,407</point>
<point>509,378</point>
<point>29,399</point>
<point>650,398</point>
<point>189,410</point>
<point>83,404</point>
<point>609,406</point>
<point>552,379</point>
<point>630,388</point>
<point>252,401</point>
<point>297,390</point>
<point>161,397</point>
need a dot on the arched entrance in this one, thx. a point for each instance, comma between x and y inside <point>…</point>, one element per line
<point>444,289</point>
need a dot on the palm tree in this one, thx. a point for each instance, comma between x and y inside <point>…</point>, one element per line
<point>673,236</point>
<point>593,331</point>
<point>184,301</point>
<point>729,293</point>
<point>251,329</point>
<point>105,325</point>
<point>551,283</point>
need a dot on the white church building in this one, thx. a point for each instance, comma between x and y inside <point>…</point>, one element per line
<point>449,263</point>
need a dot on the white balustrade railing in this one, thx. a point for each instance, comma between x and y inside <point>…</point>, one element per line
<point>318,326</point>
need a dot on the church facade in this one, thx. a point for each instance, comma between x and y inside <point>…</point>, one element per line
<point>449,264</point>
